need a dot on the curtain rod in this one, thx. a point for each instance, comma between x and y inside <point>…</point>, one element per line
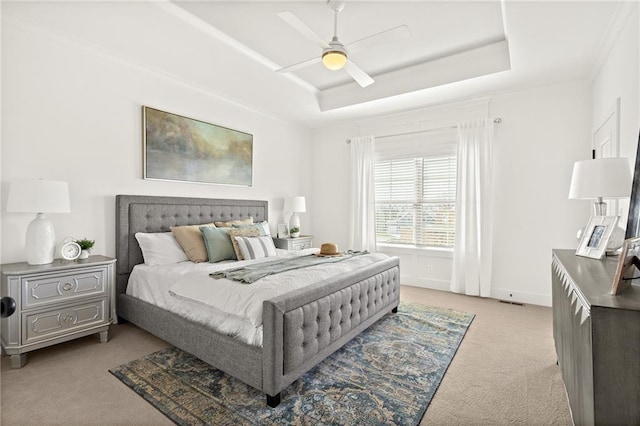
<point>497,120</point>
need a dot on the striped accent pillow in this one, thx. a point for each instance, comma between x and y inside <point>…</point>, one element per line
<point>256,247</point>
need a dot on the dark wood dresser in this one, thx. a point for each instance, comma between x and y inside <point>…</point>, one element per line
<point>597,339</point>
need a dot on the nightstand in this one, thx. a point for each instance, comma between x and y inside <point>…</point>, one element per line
<point>298,243</point>
<point>56,302</point>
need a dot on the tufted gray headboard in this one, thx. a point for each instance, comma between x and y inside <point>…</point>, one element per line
<point>141,213</point>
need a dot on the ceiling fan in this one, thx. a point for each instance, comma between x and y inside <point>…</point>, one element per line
<point>335,55</point>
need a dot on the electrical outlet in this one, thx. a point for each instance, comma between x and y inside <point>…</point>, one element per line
<point>429,269</point>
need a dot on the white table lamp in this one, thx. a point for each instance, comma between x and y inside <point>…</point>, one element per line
<point>39,196</point>
<point>295,205</point>
<point>598,179</point>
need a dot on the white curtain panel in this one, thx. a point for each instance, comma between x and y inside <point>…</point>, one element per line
<point>362,232</point>
<point>472,251</point>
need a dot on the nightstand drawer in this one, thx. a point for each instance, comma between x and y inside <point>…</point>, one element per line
<point>39,290</point>
<point>300,245</point>
<point>294,244</point>
<point>46,324</point>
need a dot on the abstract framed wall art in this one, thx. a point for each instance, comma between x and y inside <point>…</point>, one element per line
<point>182,149</point>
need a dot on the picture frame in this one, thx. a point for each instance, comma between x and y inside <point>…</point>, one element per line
<point>182,149</point>
<point>596,236</point>
<point>283,230</point>
<point>633,217</point>
<point>628,265</point>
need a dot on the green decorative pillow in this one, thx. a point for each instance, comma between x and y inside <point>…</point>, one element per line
<point>218,243</point>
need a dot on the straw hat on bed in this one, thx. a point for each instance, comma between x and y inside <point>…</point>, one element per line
<point>329,249</point>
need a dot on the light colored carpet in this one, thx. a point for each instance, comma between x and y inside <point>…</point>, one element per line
<point>503,373</point>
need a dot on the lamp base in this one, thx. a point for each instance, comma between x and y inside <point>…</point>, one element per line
<point>599,207</point>
<point>41,241</point>
<point>294,223</point>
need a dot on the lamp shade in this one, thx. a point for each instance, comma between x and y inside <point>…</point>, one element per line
<point>601,178</point>
<point>295,204</point>
<point>38,196</point>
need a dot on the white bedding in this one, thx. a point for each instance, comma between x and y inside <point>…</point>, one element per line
<point>229,307</point>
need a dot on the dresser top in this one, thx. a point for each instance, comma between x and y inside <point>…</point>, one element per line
<point>594,279</point>
<point>21,268</point>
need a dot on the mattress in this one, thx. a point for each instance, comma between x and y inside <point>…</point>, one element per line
<point>231,308</point>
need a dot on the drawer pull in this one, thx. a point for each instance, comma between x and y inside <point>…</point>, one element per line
<point>67,286</point>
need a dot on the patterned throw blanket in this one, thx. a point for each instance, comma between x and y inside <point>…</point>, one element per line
<point>252,273</point>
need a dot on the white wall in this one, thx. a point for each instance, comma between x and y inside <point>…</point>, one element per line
<point>618,78</point>
<point>544,130</point>
<point>73,113</point>
<point>330,184</point>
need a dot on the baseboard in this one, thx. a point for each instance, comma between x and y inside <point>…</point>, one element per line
<point>422,282</point>
<point>507,295</point>
<point>521,297</point>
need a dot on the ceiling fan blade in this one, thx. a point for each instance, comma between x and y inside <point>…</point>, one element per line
<point>361,77</point>
<point>302,28</point>
<point>300,65</point>
<point>388,36</point>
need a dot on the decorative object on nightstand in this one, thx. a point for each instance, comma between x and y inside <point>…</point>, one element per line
<point>294,244</point>
<point>55,303</point>
<point>39,196</point>
<point>598,179</point>
<point>86,245</point>
<point>283,230</point>
<point>70,250</point>
<point>295,205</point>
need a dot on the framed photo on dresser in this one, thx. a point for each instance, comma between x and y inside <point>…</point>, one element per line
<point>596,236</point>
<point>628,265</point>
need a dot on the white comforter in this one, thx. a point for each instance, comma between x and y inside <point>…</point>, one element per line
<point>230,307</point>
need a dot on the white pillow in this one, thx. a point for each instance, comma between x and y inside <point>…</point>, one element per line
<point>160,248</point>
<point>256,247</point>
<point>264,227</point>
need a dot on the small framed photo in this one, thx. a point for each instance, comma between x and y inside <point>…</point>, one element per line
<point>628,265</point>
<point>283,230</point>
<point>596,236</point>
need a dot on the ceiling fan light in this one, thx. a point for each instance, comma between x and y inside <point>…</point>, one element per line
<point>334,60</point>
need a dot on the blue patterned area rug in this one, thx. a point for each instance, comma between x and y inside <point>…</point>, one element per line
<point>386,375</point>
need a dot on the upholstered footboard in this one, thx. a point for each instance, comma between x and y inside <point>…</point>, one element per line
<point>304,327</point>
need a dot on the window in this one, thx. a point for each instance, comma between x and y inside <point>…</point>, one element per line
<point>415,197</point>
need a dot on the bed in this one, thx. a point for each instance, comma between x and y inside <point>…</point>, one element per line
<point>300,328</point>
